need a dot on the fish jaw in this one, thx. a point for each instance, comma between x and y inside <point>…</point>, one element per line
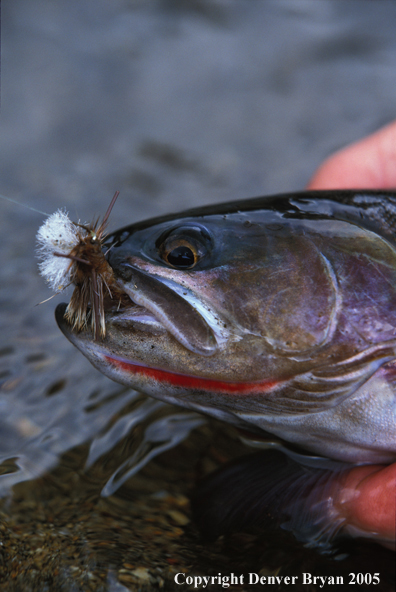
<point>122,356</point>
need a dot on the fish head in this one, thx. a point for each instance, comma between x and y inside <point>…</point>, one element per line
<point>255,314</point>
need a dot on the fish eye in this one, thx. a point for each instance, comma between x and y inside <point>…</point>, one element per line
<point>183,247</point>
<point>180,254</point>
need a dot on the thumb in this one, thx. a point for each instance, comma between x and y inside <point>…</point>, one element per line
<point>369,163</point>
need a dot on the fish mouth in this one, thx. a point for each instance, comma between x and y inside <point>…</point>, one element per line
<point>126,317</point>
<point>153,304</point>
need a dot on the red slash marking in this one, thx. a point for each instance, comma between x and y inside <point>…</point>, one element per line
<point>193,382</point>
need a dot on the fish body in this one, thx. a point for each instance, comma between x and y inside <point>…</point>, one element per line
<point>276,314</point>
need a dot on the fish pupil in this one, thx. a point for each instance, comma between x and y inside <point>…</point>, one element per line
<point>181,256</point>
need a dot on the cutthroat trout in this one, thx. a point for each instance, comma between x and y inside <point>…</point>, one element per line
<point>275,314</point>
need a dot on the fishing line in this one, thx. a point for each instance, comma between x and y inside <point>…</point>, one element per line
<point>23,205</point>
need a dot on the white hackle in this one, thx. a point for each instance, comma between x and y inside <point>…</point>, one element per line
<point>58,234</point>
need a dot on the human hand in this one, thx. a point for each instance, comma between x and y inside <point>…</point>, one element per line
<point>365,496</point>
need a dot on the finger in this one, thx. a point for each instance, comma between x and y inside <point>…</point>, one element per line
<point>369,164</point>
<point>366,499</point>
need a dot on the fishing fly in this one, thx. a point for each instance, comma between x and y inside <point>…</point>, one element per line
<point>71,253</point>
